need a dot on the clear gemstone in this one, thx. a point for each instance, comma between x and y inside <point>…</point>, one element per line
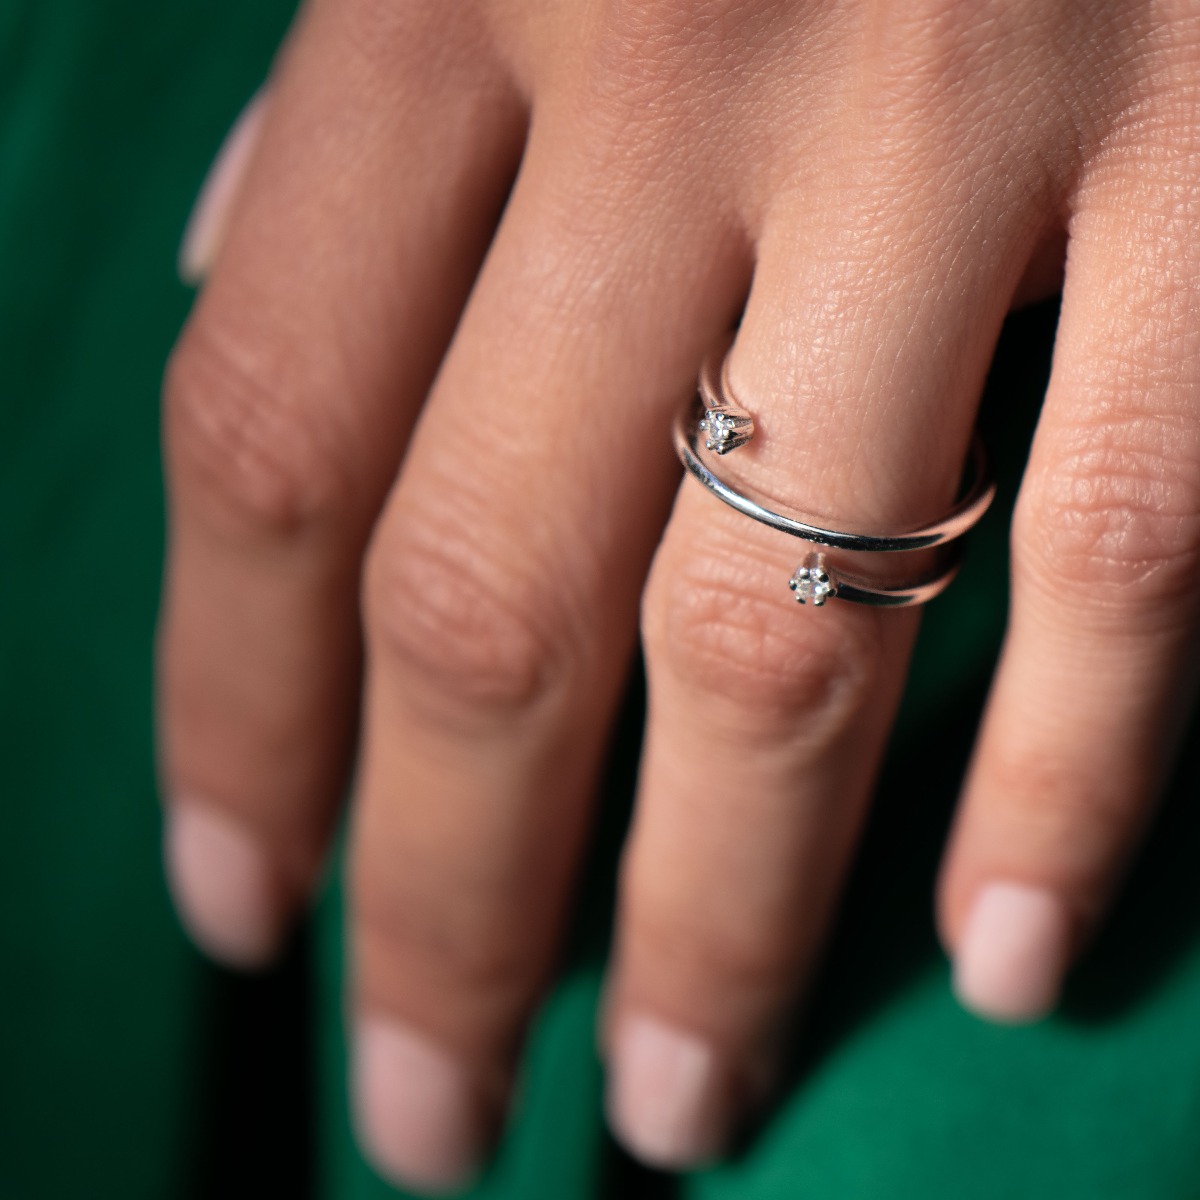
<point>719,429</point>
<point>726,427</point>
<point>812,582</point>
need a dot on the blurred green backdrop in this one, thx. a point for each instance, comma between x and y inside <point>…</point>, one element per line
<point>129,1068</point>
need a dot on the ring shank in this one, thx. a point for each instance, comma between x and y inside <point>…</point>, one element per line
<point>978,493</point>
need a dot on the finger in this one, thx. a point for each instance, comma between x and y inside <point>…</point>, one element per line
<point>502,600</point>
<point>1098,667</point>
<point>767,721</point>
<point>383,159</point>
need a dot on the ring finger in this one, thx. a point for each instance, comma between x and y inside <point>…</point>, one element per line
<point>767,722</point>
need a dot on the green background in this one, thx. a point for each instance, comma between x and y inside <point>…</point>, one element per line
<point>130,1068</point>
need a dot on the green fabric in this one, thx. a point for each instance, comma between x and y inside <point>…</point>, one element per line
<point>129,1068</point>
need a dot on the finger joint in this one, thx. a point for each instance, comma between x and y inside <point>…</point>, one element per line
<point>1116,516</point>
<point>247,444</point>
<point>459,624</point>
<point>721,637</point>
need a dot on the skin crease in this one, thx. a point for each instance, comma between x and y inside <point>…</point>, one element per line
<point>492,239</point>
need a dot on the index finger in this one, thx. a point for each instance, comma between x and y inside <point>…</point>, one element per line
<point>384,159</point>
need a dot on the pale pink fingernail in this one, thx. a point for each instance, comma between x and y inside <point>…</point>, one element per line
<point>1013,953</point>
<point>210,214</point>
<point>422,1120</point>
<point>224,886</point>
<point>669,1099</point>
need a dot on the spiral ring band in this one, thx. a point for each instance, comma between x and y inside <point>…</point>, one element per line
<point>980,491</point>
<point>717,421</point>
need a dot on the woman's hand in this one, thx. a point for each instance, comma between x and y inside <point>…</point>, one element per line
<point>875,185</point>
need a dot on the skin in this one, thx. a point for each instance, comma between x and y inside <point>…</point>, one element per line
<point>409,521</point>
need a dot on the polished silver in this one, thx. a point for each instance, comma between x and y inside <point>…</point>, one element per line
<point>715,420</point>
<point>725,425</point>
<point>979,493</point>
<point>726,428</point>
<point>815,581</point>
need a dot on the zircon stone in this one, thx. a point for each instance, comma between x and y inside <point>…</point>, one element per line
<point>718,428</point>
<point>726,427</point>
<point>813,583</point>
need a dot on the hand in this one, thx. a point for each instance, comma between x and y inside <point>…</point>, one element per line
<point>874,186</point>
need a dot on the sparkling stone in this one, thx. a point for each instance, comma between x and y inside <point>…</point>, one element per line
<point>726,428</point>
<point>812,583</point>
<point>719,429</point>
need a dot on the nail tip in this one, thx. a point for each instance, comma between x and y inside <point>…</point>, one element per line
<point>222,887</point>
<point>660,1154</point>
<point>402,1175</point>
<point>668,1101</point>
<point>206,222</point>
<point>192,258</point>
<point>1014,952</point>
<point>418,1119</point>
<point>189,273</point>
<point>986,1008</point>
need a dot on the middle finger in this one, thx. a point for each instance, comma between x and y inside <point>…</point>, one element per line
<point>501,601</point>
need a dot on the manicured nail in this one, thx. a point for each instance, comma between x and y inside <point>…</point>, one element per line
<point>422,1119</point>
<point>210,214</point>
<point>669,1099</point>
<point>1013,953</point>
<point>224,886</point>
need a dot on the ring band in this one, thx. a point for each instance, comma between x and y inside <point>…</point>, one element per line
<point>722,425</point>
<point>980,491</point>
<point>843,586</point>
<point>725,425</point>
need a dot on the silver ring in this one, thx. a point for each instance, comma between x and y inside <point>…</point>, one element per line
<point>816,580</point>
<point>725,425</point>
<point>980,491</point>
<point>714,418</point>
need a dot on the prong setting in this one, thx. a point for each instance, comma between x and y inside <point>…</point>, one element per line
<point>726,427</point>
<point>813,581</point>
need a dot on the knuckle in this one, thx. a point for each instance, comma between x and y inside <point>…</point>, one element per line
<point>393,41</point>
<point>659,26</point>
<point>915,44</point>
<point>1116,514</point>
<point>413,947</point>
<point>378,29</point>
<point>244,444</point>
<point>749,959</point>
<point>679,26</point>
<point>461,624</point>
<point>651,54</point>
<point>715,634</point>
<point>1168,65</point>
<point>1058,812</point>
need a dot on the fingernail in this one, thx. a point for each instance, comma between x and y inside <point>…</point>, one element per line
<point>1013,953</point>
<point>224,886</point>
<point>422,1120</point>
<point>669,1100</point>
<point>210,213</point>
